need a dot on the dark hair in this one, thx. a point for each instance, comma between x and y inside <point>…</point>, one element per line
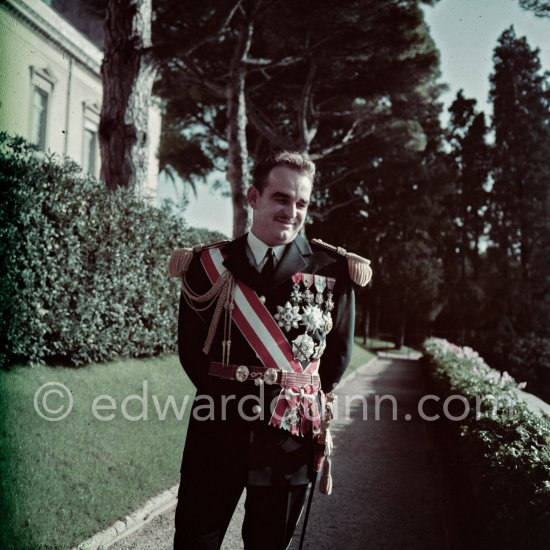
<point>290,159</point>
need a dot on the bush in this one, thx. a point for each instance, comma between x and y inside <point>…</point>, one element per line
<point>84,270</point>
<point>502,460</point>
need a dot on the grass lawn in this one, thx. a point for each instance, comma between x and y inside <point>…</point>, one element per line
<point>360,356</point>
<point>62,481</point>
<point>384,345</point>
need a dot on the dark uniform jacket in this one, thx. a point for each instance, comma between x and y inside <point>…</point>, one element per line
<point>227,434</point>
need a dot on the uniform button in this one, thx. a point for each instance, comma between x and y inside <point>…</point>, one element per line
<point>262,299</point>
<point>256,409</point>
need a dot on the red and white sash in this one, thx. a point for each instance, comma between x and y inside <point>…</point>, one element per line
<point>270,344</point>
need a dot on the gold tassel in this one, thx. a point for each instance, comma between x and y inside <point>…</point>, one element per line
<point>359,268</point>
<point>224,296</point>
<point>179,262</point>
<point>181,258</point>
<point>220,291</point>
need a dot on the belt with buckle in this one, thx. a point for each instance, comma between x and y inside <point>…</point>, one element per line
<point>269,376</point>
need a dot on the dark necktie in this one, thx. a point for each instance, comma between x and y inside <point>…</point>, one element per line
<point>269,267</point>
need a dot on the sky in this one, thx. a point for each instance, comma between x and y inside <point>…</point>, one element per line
<point>466,32</point>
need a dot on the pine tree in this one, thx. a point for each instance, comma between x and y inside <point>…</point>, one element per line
<point>466,206</point>
<point>128,72</point>
<point>520,196</point>
<point>541,8</point>
<point>338,82</point>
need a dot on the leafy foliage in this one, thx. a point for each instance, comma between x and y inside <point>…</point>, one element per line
<point>466,203</point>
<point>494,248</point>
<point>506,457</point>
<point>83,270</point>
<point>520,228</point>
<point>316,76</point>
<point>540,8</point>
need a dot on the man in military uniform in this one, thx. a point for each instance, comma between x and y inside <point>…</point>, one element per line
<point>265,328</point>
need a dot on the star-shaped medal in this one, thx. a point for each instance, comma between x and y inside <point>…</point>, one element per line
<point>302,347</point>
<point>312,318</point>
<point>287,316</point>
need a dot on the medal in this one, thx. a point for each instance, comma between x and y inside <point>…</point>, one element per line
<point>312,318</point>
<point>320,283</point>
<point>326,324</point>
<point>309,297</point>
<point>296,296</point>
<point>329,302</point>
<point>303,347</point>
<point>287,316</point>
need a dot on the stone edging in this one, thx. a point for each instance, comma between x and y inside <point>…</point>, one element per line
<point>122,528</point>
<point>347,378</point>
<point>155,505</point>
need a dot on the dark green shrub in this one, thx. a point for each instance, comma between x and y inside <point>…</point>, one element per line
<point>502,460</point>
<point>84,271</point>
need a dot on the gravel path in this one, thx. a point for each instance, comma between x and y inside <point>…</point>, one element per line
<point>386,492</point>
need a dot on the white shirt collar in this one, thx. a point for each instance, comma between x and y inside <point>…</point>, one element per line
<point>259,248</point>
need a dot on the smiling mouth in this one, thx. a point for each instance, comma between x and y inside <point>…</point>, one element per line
<point>286,223</point>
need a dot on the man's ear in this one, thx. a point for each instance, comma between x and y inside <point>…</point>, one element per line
<point>252,195</point>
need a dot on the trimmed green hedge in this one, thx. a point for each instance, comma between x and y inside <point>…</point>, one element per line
<point>84,270</point>
<point>503,459</point>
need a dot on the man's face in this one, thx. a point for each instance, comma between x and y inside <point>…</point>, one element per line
<point>279,211</point>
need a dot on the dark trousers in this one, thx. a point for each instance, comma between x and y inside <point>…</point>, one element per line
<point>203,514</point>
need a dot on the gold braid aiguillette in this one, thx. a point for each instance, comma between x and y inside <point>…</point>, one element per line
<point>221,292</point>
<point>359,268</point>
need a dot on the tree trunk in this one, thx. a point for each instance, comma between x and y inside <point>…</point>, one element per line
<point>237,170</point>
<point>128,73</point>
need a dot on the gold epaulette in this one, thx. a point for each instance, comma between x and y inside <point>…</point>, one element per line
<point>359,268</point>
<point>181,258</point>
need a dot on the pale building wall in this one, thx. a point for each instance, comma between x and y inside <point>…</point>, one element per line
<point>39,49</point>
